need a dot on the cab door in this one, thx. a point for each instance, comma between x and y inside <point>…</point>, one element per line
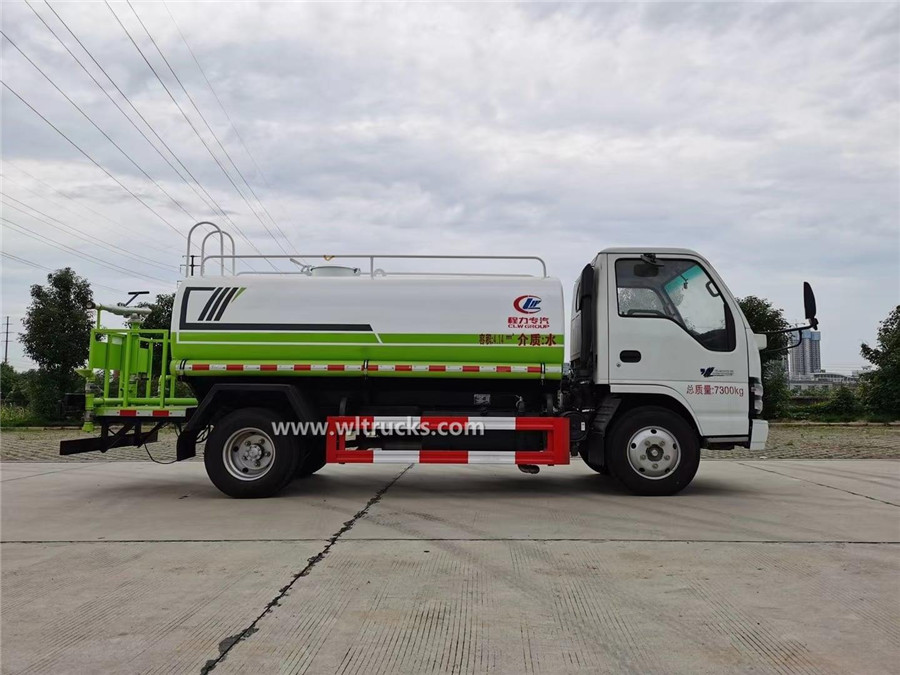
<point>673,329</point>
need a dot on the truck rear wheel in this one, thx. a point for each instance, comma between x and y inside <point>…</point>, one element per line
<point>245,459</point>
<point>314,458</point>
<point>653,451</point>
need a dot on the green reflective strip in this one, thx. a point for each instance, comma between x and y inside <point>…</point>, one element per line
<point>479,339</point>
<point>236,347</point>
<point>269,337</point>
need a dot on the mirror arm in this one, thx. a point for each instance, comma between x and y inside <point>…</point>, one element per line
<point>777,350</point>
<point>813,324</point>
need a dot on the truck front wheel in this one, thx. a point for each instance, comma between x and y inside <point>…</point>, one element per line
<point>653,451</point>
<point>244,458</point>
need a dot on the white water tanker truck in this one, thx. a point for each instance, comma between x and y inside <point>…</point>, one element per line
<point>305,365</point>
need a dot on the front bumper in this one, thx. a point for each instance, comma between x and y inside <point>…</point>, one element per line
<point>759,433</point>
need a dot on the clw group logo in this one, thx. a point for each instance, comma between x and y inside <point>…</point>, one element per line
<point>527,304</point>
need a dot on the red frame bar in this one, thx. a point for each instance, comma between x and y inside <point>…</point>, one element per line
<point>556,450</point>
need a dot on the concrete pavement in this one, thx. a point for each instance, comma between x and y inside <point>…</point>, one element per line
<point>788,566</point>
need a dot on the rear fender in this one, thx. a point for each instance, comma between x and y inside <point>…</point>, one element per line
<point>223,398</point>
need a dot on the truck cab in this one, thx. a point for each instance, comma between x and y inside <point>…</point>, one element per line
<point>660,329</point>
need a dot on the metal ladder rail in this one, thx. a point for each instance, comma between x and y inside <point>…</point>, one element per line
<point>375,271</point>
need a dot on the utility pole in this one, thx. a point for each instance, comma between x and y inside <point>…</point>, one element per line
<point>6,342</point>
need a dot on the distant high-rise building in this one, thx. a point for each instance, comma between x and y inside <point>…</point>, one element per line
<point>806,359</point>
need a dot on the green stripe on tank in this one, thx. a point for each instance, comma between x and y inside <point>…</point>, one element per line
<point>299,338</point>
<point>481,339</point>
<point>247,347</point>
<point>348,353</point>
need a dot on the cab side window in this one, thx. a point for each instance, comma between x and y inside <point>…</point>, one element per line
<point>679,291</point>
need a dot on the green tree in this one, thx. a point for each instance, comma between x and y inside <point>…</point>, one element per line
<point>9,378</point>
<point>880,388</point>
<point>160,317</point>
<point>160,311</point>
<point>18,394</point>
<point>57,338</point>
<point>764,317</point>
<point>837,404</point>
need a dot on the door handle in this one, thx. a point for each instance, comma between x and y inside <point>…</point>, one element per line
<point>630,356</point>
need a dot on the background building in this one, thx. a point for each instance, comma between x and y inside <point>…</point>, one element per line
<point>806,359</point>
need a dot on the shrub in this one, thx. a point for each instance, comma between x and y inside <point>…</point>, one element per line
<point>18,416</point>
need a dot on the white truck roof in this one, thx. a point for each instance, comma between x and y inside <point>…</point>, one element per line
<point>650,249</point>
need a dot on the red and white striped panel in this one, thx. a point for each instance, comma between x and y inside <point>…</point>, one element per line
<point>556,450</point>
<point>377,456</point>
<point>369,368</point>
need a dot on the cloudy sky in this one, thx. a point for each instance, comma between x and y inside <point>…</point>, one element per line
<point>764,136</point>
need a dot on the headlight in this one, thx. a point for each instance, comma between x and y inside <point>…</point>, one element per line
<point>756,392</point>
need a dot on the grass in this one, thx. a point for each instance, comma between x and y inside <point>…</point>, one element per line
<point>12,416</point>
<point>18,416</point>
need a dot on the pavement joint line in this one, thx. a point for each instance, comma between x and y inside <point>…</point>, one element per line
<point>47,473</point>
<point>288,540</point>
<point>824,485</point>
<point>599,540</point>
<point>226,645</point>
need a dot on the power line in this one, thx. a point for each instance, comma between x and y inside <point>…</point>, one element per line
<point>26,262</point>
<point>31,263</point>
<point>86,256</point>
<point>119,107</point>
<point>187,119</point>
<point>92,160</point>
<point>68,229</point>
<point>74,231</point>
<point>180,163</point>
<point>215,137</point>
<point>145,244</point>
<point>211,131</point>
<point>98,128</point>
<point>230,121</point>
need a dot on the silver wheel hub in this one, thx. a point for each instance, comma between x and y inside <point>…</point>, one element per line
<point>653,452</point>
<point>248,454</point>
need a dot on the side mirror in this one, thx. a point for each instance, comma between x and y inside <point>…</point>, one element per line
<point>809,305</point>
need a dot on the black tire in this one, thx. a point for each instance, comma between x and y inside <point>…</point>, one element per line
<point>599,468</point>
<point>314,458</point>
<point>246,428</point>
<point>653,435</point>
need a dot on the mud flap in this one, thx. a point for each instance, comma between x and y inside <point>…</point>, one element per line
<point>186,445</point>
